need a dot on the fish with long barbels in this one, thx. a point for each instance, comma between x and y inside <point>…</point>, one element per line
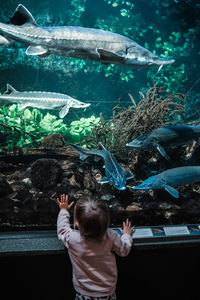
<point>115,175</point>
<point>166,136</point>
<point>41,100</point>
<point>170,178</point>
<point>78,42</point>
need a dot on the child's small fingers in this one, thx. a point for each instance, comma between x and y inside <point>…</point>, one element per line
<point>64,200</point>
<point>127,222</point>
<point>70,205</point>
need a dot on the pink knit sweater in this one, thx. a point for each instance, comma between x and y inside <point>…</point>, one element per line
<point>93,263</point>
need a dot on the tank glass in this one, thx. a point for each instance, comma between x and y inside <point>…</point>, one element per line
<point>100,99</point>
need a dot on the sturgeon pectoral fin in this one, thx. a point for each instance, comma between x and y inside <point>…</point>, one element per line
<point>97,158</point>
<point>4,41</point>
<point>172,191</point>
<point>128,174</point>
<point>83,156</point>
<point>22,106</point>
<point>162,152</point>
<point>103,180</point>
<point>36,50</point>
<point>109,55</point>
<point>64,111</point>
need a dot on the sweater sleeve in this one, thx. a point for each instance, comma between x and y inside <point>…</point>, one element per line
<point>63,227</point>
<point>121,245</point>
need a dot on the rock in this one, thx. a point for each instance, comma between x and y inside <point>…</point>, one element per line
<point>5,187</point>
<point>69,168</point>
<point>6,205</point>
<point>27,181</point>
<point>88,182</point>
<point>133,207</point>
<point>73,182</point>
<point>45,173</point>
<point>54,140</point>
<point>107,197</point>
<point>97,174</point>
<point>6,167</point>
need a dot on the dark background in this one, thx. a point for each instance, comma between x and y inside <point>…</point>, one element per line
<point>144,274</point>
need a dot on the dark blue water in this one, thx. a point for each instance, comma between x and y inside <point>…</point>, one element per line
<point>170,29</point>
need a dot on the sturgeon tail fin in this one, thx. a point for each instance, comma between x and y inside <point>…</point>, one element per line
<point>101,146</point>
<point>81,151</point>
<point>84,152</point>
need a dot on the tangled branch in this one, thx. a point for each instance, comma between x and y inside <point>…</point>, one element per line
<point>155,109</point>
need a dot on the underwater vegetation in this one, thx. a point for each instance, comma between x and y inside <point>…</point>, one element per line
<point>169,28</point>
<point>81,128</point>
<point>155,109</point>
<point>26,128</point>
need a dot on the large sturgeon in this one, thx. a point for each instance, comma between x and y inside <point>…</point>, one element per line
<point>166,136</point>
<point>170,178</point>
<point>42,100</point>
<point>78,42</point>
<point>115,175</point>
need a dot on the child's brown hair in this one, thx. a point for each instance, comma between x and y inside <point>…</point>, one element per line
<point>92,218</point>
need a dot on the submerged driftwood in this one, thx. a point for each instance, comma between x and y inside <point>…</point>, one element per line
<point>155,109</point>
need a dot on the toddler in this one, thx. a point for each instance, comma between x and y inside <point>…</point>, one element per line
<point>91,248</point>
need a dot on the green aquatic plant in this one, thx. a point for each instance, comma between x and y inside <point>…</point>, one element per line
<point>127,6</point>
<point>80,128</point>
<point>74,13</point>
<point>50,124</point>
<point>26,128</point>
<point>178,47</point>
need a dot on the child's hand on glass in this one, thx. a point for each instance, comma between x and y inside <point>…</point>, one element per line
<point>127,228</point>
<point>63,202</point>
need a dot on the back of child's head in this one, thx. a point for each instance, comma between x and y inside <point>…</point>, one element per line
<point>92,217</point>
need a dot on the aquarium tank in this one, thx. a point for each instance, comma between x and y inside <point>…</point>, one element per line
<point>100,100</point>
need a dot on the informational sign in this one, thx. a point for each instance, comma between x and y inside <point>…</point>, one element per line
<point>176,230</point>
<point>142,232</point>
